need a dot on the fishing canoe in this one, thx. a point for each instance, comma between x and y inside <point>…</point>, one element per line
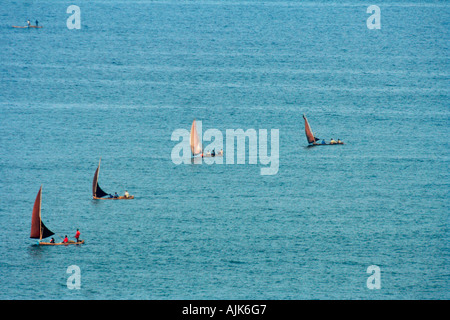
<point>118,198</point>
<point>26,27</point>
<point>326,144</point>
<point>196,145</point>
<point>41,243</point>
<point>99,194</point>
<point>38,229</point>
<point>208,155</point>
<point>312,139</point>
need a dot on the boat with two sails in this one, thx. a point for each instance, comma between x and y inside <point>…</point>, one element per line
<point>99,194</point>
<point>38,228</point>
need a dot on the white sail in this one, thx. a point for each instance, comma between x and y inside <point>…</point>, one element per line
<point>196,145</point>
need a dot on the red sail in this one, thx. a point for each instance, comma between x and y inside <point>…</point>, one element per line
<point>38,229</point>
<point>36,217</point>
<point>308,131</point>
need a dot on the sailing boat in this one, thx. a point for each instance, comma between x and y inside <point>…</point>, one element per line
<point>196,145</point>
<point>312,139</point>
<point>99,194</point>
<point>38,228</point>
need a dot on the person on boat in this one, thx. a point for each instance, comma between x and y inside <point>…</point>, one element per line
<point>340,142</point>
<point>66,240</point>
<point>116,195</point>
<point>28,23</point>
<point>52,240</point>
<point>77,235</point>
<point>213,153</point>
<point>332,141</point>
<point>323,141</point>
<point>37,23</point>
<point>126,194</point>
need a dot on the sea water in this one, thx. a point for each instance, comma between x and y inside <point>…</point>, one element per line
<point>136,71</point>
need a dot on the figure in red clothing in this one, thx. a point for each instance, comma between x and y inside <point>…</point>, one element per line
<point>77,235</point>
<point>66,240</point>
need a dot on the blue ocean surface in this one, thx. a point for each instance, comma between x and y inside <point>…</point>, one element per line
<point>136,71</point>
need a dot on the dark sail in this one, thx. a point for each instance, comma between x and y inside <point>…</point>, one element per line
<point>100,193</point>
<point>45,231</point>
<point>38,229</point>
<point>96,190</point>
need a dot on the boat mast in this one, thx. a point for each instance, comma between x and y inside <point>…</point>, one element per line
<point>98,172</point>
<point>193,129</point>
<point>40,219</point>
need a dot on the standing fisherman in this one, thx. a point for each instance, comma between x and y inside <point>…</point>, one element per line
<point>77,235</point>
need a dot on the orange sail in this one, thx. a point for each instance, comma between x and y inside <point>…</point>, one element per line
<point>38,229</point>
<point>309,134</point>
<point>196,146</point>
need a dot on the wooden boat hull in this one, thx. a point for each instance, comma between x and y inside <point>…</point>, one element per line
<point>212,156</point>
<point>119,198</point>
<point>41,243</point>
<point>327,144</point>
<point>26,27</point>
<point>207,156</point>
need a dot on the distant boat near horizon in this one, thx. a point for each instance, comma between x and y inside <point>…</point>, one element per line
<point>196,145</point>
<point>99,194</point>
<point>312,139</point>
<point>39,230</point>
